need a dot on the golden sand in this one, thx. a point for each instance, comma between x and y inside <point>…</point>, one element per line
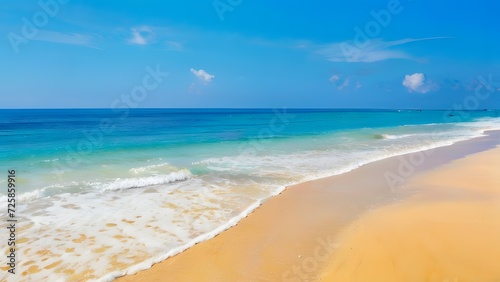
<point>449,231</point>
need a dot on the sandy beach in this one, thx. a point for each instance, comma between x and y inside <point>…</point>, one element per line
<point>448,231</point>
<point>428,216</point>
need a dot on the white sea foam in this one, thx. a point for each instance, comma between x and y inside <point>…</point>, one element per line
<point>32,195</point>
<point>121,184</point>
<point>143,169</point>
<point>390,136</point>
<point>103,186</point>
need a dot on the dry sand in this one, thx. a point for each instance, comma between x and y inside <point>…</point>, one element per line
<point>449,231</point>
<point>443,224</point>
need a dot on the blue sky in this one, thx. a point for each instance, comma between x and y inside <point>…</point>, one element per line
<point>240,53</point>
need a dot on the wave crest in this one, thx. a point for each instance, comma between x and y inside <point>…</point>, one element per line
<point>390,136</point>
<point>129,183</point>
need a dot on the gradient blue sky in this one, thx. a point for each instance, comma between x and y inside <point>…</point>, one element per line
<point>233,53</point>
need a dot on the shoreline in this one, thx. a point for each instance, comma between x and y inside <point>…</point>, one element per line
<point>324,207</point>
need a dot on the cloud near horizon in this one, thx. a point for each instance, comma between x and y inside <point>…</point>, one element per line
<point>339,82</point>
<point>419,83</point>
<point>203,75</point>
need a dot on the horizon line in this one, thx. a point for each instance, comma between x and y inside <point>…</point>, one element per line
<point>255,108</point>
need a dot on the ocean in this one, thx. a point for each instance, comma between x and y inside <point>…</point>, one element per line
<point>101,193</point>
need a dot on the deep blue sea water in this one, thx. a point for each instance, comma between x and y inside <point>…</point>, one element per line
<point>133,187</point>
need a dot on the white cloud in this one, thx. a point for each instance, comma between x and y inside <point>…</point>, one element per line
<point>370,51</point>
<point>358,85</point>
<point>344,84</point>
<point>419,83</point>
<point>203,75</point>
<point>339,82</point>
<point>146,35</point>
<point>174,45</point>
<point>334,78</point>
<point>142,35</point>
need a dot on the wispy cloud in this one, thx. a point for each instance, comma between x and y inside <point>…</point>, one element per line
<point>334,78</point>
<point>174,45</point>
<point>419,83</point>
<point>66,38</point>
<point>148,35</point>
<point>203,75</point>
<point>340,82</point>
<point>142,35</point>
<point>370,51</point>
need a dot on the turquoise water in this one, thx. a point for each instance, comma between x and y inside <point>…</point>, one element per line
<point>94,183</point>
